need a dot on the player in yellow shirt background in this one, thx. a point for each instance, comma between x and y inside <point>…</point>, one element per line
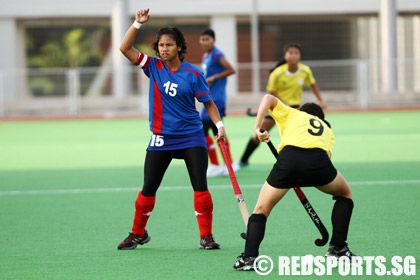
<point>304,160</point>
<point>286,82</point>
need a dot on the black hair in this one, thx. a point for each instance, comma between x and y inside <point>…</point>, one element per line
<point>285,49</point>
<point>209,32</point>
<point>315,110</point>
<point>178,37</point>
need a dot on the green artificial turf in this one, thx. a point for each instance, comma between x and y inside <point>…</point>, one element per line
<point>67,191</point>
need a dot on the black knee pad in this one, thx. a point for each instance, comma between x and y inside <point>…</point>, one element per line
<point>259,218</point>
<point>343,199</point>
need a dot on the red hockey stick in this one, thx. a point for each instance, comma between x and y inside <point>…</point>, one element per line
<point>236,188</point>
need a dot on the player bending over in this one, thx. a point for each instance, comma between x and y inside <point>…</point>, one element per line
<point>304,160</point>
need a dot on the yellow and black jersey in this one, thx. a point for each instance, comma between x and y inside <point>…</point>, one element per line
<point>300,129</point>
<point>289,86</point>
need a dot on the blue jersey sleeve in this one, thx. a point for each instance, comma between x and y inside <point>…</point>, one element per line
<point>147,71</point>
<point>201,89</point>
<point>143,62</point>
<point>218,55</point>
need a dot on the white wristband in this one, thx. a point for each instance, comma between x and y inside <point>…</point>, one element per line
<point>219,124</point>
<point>136,24</point>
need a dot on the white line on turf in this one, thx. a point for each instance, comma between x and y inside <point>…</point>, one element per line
<point>105,190</point>
<point>182,188</point>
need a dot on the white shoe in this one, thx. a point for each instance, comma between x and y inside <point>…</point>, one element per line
<point>213,170</point>
<point>236,166</point>
<point>217,170</point>
<point>223,170</point>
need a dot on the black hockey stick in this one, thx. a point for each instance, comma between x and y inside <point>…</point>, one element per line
<point>307,205</point>
<point>249,112</point>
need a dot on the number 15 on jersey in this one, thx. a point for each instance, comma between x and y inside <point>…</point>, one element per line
<point>157,141</point>
<point>170,88</point>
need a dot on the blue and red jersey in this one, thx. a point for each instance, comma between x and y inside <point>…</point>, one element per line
<point>211,65</point>
<point>172,96</point>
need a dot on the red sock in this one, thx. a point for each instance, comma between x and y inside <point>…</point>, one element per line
<point>203,205</point>
<point>144,207</point>
<point>228,149</point>
<point>212,150</point>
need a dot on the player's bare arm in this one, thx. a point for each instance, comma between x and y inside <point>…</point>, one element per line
<point>317,93</point>
<point>126,47</point>
<point>227,72</point>
<point>268,102</point>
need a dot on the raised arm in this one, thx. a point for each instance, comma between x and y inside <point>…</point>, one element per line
<point>126,47</point>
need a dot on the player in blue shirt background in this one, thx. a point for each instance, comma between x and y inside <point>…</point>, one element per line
<point>176,126</point>
<point>216,70</point>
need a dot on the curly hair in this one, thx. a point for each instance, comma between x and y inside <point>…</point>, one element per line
<point>315,110</point>
<point>178,37</point>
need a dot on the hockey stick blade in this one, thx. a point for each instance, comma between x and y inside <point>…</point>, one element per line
<point>249,112</point>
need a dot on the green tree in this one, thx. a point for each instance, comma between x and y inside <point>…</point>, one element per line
<point>74,49</point>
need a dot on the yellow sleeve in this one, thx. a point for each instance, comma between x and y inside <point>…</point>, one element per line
<point>271,85</point>
<point>309,80</point>
<point>281,111</point>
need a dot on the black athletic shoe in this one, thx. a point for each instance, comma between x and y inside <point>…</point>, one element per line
<point>244,264</point>
<point>133,240</point>
<point>207,242</point>
<point>336,252</point>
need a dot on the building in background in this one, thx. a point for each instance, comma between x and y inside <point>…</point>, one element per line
<point>342,42</point>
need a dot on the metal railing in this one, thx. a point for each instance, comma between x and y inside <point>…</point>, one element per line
<point>65,91</point>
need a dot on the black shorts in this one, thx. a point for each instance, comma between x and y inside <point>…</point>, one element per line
<point>300,167</point>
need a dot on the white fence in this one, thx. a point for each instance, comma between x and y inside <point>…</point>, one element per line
<point>88,91</point>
